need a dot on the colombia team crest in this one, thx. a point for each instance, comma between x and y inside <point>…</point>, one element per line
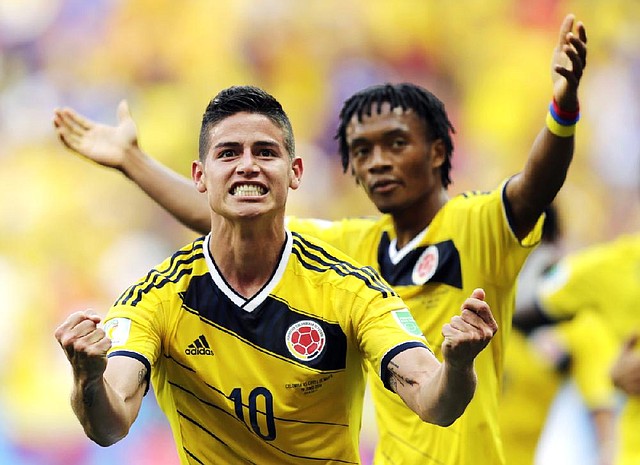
<point>426,265</point>
<point>305,340</point>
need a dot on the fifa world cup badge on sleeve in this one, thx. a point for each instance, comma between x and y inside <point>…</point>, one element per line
<point>117,330</point>
<point>405,320</point>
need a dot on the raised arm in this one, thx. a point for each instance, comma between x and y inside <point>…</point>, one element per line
<point>117,147</point>
<point>533,189</point>
<point>440,392</point>
<point>107,393</point>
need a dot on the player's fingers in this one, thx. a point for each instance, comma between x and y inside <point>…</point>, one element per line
<point>450,332</point>
<point>92,315</point>
<point>483,323</point>
<point>478,293</point>
<point>78,324</point>
<point>78,120</point>
<point>95,339</point>
<point>74,121</point>
<point>123,110</point>
<point>565,27</point>
<point>582,31</point>
<point>459,324</point>
<point>567,74</point>
<point>577,53</point>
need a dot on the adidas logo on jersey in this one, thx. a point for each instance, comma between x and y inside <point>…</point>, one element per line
<point>199,347</point>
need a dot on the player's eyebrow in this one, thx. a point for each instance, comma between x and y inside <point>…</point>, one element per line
<point>258,143</point>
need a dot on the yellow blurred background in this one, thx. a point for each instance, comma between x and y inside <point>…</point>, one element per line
<point>74,235</point>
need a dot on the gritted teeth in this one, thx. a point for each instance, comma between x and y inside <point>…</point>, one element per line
<point>248,190</point>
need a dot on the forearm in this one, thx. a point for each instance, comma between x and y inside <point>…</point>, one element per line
<point>535,187</point>
<point>175,193</point>
<point>604,426</point>
<point>547,166</point>
<point>448,398</point>
<point>103,414</point>
<point>440,397</point>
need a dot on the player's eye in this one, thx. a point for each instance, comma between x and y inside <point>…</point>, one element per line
<point>398,143</point>
<point>226,153</point>
<point>359,152</point>
<point>267,153</point>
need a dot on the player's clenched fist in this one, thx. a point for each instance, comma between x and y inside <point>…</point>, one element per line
<point>470,332</point>
<point>84,343</point>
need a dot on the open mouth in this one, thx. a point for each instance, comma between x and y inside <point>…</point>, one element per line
<point>248,190</point>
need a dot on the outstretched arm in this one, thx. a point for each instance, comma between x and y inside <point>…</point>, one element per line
<point>117,147</point>
<point>533,189</point>
<point>107,394</point>
<point>440,392</point>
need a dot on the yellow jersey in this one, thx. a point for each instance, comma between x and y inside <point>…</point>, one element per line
<point>603,279</point>
<point>277,378</point>
<point>468,244</point>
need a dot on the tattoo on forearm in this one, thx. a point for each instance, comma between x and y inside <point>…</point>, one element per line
<point>142,377</point>
<point>396,379</point>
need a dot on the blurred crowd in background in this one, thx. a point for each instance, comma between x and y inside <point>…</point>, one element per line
<point>73,236</point>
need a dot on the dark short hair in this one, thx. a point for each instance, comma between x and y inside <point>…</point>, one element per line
<point>237,99</point>
<point>407,96</point>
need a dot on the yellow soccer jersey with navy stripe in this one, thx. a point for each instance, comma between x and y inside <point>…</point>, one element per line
<point>468,244</point>
<point>274,379</point>
<point>604,279</point>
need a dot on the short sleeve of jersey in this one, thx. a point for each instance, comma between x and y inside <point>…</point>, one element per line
<point>384,330</point>
<point>136,322</point>
<point>133,332</point>
<point>567,289</point>
<point>482,225</point>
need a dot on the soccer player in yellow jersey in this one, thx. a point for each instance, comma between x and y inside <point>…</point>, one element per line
<point>396,141</point>
<point>253,337</point>
<point>605,279</point>
<point>537,363</point>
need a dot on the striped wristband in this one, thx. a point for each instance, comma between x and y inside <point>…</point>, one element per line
<point>560,122</point>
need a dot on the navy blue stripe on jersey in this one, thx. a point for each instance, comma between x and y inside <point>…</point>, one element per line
<point>448,268</point>
<point>508,211</point>
<point>230,416</point>
<point>190,454</point>
<point>385,374</point>
<point>302,249</point>
<point>288,454</point>
<point>157,277</point>
<point>223,395</point>
<point>140,358</point>
<point>266,327</point>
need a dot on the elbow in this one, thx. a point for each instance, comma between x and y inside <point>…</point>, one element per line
<point>105,439</point>
<point>443,419</point>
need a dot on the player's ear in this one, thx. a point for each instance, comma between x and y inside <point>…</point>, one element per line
<point>437,152</point>
<point>296,173</point>
<point>197,174</point>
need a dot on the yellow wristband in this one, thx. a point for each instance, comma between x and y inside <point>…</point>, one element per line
<point>559,129</point>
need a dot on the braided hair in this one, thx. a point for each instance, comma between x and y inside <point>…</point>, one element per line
<point>407,96</point>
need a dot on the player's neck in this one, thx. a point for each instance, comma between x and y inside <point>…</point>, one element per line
<point>412,220</point>
<point>247,256</point>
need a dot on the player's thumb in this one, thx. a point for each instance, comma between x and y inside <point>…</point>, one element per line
<point>92,315</point>
<point>478,293</point>
<point>123,110</point>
